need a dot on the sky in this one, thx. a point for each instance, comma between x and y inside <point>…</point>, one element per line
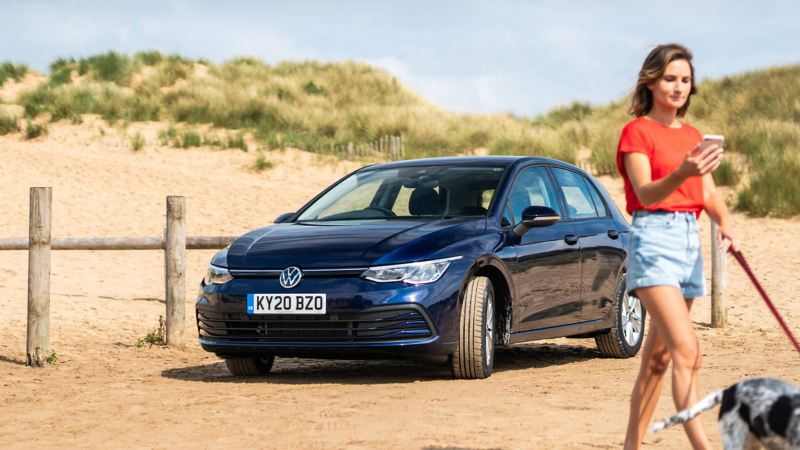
<point>501,56</point>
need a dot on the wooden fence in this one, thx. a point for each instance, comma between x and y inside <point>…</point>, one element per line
<point>175,243</point>
<point>392,147</point>
<point>596,169</point>
<point>39,244</point>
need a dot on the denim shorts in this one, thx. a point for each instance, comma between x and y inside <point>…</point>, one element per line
<point>665,251</point>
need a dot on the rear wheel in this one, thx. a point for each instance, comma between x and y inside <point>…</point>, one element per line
<point>250,366</point>
<point>474,357</point>
<point>625,338</point>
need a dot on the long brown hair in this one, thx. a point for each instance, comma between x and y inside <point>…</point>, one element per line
<point>653,68</point>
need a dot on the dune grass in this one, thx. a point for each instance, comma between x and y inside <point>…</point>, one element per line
<point>322,106</point>
<point>137,142</point>
<point>8,124</point>
<point>307,105</point>
<point>9,70</point>
<point>34,130</point>
<point>726,174</point>
<point>261,164</point>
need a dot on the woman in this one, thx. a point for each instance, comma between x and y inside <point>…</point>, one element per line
<point>667,174</point>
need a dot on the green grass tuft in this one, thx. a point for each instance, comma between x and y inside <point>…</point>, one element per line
<point>8,124</point>
<point>190,138</point>
<point>61,76</point>
<point>727,174</point>
<point>576,111</point>
<point>111,66</point>
<point>34,130</point>
<point>312,88</point>
<point>52,358</point>
<point>13,71</point>
<point>156,336</point>
<point>148,58</point>
<point>137,142</point>
<point>237,141</point>
<point>261,164</point>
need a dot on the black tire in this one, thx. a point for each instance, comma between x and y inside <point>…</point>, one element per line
<point>474,357</point>
<point>251,366</point>
<point>613,342</point>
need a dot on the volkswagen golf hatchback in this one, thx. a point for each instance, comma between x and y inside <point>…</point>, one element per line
<point>444,256</point>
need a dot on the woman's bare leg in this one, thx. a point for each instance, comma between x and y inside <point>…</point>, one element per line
<point>669,314</point>
<point>646,391</point>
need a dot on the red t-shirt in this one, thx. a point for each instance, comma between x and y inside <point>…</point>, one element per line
<point>666,148</point>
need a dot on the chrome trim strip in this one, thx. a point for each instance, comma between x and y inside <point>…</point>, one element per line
<point>277,272</point>
<point>235,272</point>
<point>349,269</point>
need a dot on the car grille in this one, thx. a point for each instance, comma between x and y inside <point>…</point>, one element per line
<point>380,325</point>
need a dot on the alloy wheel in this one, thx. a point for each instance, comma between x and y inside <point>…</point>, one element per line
<point>489,332</point>
<point>631,319</point>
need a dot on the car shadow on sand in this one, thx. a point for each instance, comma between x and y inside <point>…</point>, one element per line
<point>327,371</point>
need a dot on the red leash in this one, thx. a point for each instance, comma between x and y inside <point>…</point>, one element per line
<point>739,257</point>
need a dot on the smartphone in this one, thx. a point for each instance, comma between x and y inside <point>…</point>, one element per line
<point>709,139</point>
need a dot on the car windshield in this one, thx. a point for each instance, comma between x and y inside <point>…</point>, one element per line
<point>409,192</point>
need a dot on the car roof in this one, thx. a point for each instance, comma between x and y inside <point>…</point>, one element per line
<point>503,161</point>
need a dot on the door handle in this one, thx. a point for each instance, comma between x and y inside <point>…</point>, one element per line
<point>613,234</point>
<point>571,239</point>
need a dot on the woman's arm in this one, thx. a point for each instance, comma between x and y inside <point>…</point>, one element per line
<point>718,212</point>
<point>649,192</point>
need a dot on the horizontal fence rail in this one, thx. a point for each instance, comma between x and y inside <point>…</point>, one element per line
<point>120,243</point>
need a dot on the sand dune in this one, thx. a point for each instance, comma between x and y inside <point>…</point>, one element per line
<point>104,391</point>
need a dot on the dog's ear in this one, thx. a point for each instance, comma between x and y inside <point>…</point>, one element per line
<point>759,427</point>
<point>779,415</point>
<point>728,401</point>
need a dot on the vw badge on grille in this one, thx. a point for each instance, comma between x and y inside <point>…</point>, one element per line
<point>290,277</point>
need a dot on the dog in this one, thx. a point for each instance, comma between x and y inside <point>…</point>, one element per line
<point>754,413</point>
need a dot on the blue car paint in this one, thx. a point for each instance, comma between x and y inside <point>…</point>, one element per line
<point>484,246</point>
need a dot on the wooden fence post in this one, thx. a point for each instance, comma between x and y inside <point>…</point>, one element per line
<point>175,269</point>
<point>402,149</point>
<point>38,339</point>
<point>719,314</point>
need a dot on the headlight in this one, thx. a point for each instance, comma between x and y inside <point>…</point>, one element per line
<point>411,273</point>
<point>216,275</point>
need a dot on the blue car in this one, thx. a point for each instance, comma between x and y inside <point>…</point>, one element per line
<point>445,256</point>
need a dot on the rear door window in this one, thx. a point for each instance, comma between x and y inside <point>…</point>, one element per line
<point>602,211</point>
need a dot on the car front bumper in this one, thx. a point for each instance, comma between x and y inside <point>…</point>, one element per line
<point>363,319</point>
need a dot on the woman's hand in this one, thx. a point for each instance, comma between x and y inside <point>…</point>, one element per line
<point>700,161</point>
<point>726,232</point>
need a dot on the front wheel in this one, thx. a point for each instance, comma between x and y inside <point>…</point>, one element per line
<point>625,338</point>
<point>250,366</point>
<point>474,357</point>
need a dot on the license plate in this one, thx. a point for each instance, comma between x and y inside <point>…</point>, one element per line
<point>286,303</point>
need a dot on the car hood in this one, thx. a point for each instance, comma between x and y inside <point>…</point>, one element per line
<point>341,244</point>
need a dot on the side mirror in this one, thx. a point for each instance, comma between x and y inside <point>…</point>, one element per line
<point>283,217</point>
<point>535,217</point>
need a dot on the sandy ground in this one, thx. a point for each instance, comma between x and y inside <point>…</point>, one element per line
<point>105,392</point>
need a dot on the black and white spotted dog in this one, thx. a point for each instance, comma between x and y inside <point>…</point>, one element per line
<point>761,411</point>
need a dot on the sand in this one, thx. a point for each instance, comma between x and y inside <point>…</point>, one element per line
<point>104,391</point>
